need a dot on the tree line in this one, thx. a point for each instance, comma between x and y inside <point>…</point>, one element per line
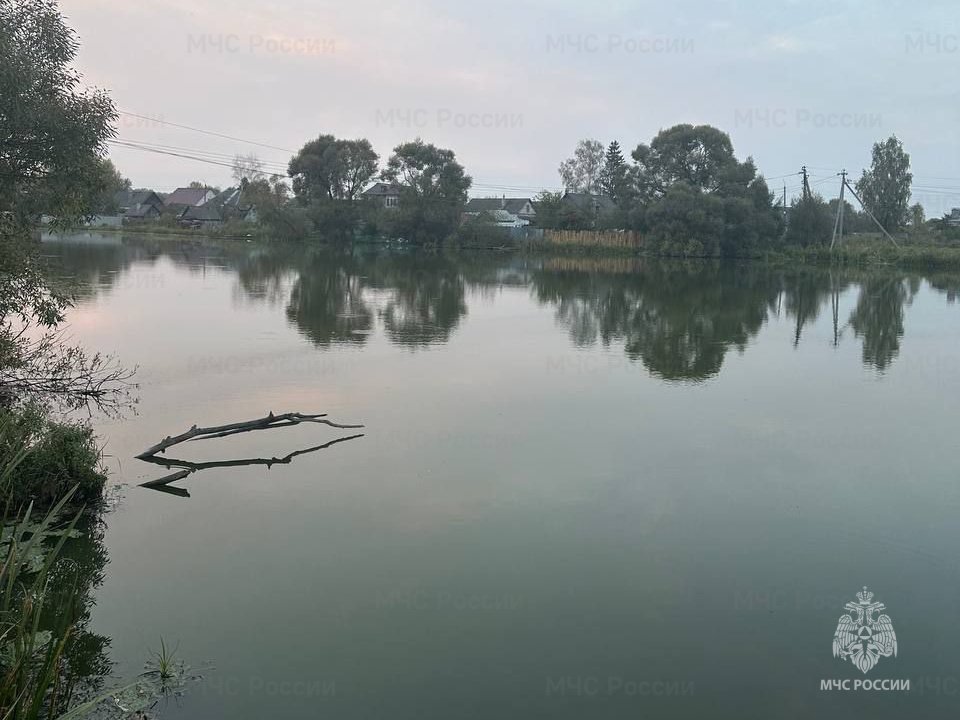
<point>689,195</point>
<point>685,191</point>
<point>327,178</point>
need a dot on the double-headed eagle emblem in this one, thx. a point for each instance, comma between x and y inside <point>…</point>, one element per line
<point>860,637</point>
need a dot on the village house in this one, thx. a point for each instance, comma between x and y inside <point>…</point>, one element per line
<point>141,212</point>
<point>127,200</point>
<point>188,197</point>
<point>954,217</point>
<point>231,205</point>
<point>383,194</point>
<point>504,211</point>
<point>205,216</point>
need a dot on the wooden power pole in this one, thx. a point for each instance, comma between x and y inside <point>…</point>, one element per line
<point>838,223</point>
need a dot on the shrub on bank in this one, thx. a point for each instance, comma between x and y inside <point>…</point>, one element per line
<point>476,233</point>
<point>62,455</point>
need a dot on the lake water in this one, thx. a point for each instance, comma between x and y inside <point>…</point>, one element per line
<point>587,488</point>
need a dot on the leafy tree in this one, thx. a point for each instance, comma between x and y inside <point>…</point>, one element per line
<point>614,178</point>
<point>701,156</point>
<point>358,165</point>
<point>582,172</point>
<point>696,198</point>
<point>314,170</point>
<point>53,137</point>
<point>270,197</point>
<point>331,169</point>
<point>548,206</point>
<point>810,222</point>
<point>686,221</point>
<point>433,190</point>
<point>327,176</point>
<point>53,133</point>
<point>917,216</point>
<point>854,221</point>
<point>885,187</point>
<point>111,182</point>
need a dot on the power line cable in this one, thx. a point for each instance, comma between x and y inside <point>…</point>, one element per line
<point>205,132</point>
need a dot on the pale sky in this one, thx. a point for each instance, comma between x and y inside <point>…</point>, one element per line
<point>511,86</point>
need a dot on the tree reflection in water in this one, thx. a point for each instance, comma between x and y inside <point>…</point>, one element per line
<point>677,319</point>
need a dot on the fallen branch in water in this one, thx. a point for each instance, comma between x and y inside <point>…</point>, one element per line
<point>217,431</point>
<point>269,422</point>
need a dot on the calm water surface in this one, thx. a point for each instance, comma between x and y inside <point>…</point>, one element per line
<point>587,488</point>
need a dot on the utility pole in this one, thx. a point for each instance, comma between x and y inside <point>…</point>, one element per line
<point>870,214</point>
<point>806,184</point>
<point>838,222</point>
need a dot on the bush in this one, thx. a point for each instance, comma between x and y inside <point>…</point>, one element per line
<point>62,454</point>
<point>477,233</point>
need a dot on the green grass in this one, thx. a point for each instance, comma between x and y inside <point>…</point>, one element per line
<point>874,252</point>
<point>165,664</point>
<point>33,678</point>
<point>41,602</point>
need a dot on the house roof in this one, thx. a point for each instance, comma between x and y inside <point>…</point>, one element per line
<point>132,198</point>
<point>186,196</point>
<point>205,213</point>
<point>588,202</point>
<point>381,189</point>
<point>228,198</point>
<point>511,205</point>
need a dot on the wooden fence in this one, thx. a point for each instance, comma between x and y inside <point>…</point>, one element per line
<point>622,239</point>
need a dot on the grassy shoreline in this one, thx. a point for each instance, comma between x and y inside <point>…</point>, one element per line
<point>857,252</point>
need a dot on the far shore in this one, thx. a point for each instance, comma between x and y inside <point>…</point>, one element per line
<point>862,250</point>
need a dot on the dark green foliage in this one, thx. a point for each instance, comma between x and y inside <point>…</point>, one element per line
<point>53,133</point>
<point>700,200</point>
<point>549,206</point>
<point>615,177</point>
<point>328,176</point>
<point>479,233</point>
<point>854,221</point>
<point>332,169</point>
<point>810,222</point>
<point>433,191</point>
<point>62,455</point>
<point>701,156</point>
<point>686,192</point>
<point>885,187</point>
<point>111,182</point>
<point>686,221</point>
